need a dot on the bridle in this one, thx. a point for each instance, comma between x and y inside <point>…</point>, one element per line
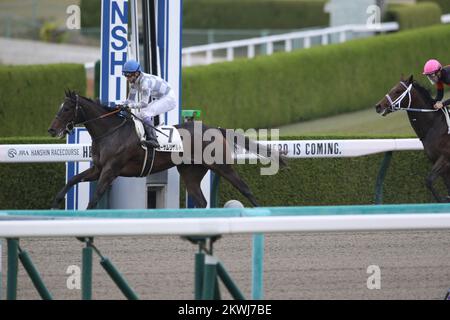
<point>395,105</point>
<point>70,126</point>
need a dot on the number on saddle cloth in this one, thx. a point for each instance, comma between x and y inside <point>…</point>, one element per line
<point>168,137</point>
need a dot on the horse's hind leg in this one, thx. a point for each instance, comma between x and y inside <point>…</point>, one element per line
<point>192,176</point>
<point>440,166</point>
<point>90,174</point>
<point>227,171</point>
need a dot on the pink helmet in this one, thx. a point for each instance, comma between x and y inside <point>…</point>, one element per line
<point>432,66</point>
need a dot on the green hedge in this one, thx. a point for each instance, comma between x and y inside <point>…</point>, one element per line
<point>308,84</point>
<point>415,16</point>
<point>444,4</point>
<point>253,14</point>
<point>30,185</point>
<point>336,181</point>
<point>30,96</point>
<point>235,14</point>
<point>307,181</point>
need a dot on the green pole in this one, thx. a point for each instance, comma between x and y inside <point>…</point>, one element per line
<point>13,264</point>
<point>86,273</point>
<point>118,279</point>
<point>34,275</point>
<point>209,277</point>
<point>258,267</point>
<point>228,282</point>
<point>199,265</point>
<point>380,178</point>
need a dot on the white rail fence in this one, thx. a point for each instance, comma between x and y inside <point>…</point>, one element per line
<point>94,227</point>
<point>29,153</point>
<point>204,54</point>
<point>287,39</point>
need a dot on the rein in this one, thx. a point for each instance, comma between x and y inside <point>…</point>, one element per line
<point>98,118</point>
<point>70,126</point>
<point>77,107</point>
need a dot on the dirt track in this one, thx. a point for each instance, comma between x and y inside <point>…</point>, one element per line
<point>414,265</point>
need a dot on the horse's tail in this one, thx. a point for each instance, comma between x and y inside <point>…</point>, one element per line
<point>262,150</point>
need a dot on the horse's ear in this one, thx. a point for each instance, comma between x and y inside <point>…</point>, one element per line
<point>411,79</point>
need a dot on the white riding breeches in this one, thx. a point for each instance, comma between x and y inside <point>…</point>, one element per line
<point>158,107</point>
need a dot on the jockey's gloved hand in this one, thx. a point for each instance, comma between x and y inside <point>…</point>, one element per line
<point>125,107</point>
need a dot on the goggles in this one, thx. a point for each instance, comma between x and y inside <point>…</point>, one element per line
<point>433,77</point>
<point>128,74</point>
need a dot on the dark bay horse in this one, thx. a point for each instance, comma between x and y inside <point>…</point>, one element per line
<point>116,151</point>
<point>429,124</point>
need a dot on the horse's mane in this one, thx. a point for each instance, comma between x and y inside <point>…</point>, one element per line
<point>424,92</point>
<point>72,95</point>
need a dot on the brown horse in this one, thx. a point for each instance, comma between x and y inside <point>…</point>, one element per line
<point>116,151</point>
<point>429,124</point>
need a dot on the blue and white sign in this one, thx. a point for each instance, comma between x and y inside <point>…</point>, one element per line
<point>114,43</point>
<point>113,87</point>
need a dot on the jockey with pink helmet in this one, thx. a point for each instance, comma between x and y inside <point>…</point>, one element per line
<point>438,76</point>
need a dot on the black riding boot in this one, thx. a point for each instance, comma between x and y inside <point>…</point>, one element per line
<point>151,141</point>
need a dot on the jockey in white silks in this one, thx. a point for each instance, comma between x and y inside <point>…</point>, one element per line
<point>150,95</point>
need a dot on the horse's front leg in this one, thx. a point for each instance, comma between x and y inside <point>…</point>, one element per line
<point>446,177</point>
<point>90,174</point>
<point>440,166</point>
<point>107,176</point>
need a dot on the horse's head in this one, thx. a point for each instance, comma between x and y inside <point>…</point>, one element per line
<point>66,117</point>
<point>399,97</point>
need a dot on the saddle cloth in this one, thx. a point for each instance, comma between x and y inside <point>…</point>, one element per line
<point>169,138</point>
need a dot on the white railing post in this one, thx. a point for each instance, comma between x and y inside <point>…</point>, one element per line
<point>230,54</point>
<point>209,56</point>
<point>288,45</point>
<point>307,42</point>
<point>342,36</point>
<point>188,60</point>
<point>251,51</point>
<point>324,39</point>
<point>269,48</point>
